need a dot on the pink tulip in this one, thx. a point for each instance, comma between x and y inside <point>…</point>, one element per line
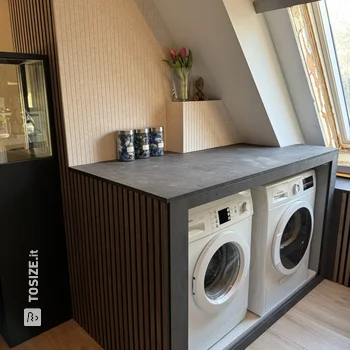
<point>173,53</point>
<point>183,52</point>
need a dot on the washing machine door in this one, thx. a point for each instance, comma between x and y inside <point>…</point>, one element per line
<point>221,267</point>
<point>293,237</point>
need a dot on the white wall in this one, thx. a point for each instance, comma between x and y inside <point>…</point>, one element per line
<point>111,71</point>
<point>283,37</point>
<point>204,26</point>
<point>259,51</point>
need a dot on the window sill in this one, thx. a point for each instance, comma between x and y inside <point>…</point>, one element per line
<point>342,184</point>
<point>343,164</point>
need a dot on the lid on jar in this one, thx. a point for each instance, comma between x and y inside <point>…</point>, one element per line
<point>158,128</point>
<point>125,132</point>
<point>142,131</point>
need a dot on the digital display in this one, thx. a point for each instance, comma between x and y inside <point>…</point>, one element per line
<point>308,182</point>
<point>224,215</point>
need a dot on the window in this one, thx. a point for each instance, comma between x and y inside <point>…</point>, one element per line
<point>323,34</point>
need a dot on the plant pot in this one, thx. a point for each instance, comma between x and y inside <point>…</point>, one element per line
<point>180,84</point>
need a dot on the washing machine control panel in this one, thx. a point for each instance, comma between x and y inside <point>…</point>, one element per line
<point>232,212</point>
<point>221,214</point>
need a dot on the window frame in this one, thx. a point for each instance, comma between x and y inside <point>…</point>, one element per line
<point>325,40</point>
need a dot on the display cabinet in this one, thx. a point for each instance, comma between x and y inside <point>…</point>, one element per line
<point>33,262</point>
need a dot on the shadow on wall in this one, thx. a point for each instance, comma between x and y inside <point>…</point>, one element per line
<point>107,142</point>
<point>156,24</point>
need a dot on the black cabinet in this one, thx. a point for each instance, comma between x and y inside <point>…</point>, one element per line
<point>33,260</point>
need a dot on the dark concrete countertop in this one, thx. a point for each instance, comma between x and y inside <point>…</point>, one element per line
<point>175,176</point>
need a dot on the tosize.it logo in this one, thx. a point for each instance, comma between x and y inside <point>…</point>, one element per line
<point>32,317</point>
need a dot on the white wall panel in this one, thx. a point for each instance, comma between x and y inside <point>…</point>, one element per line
<point>111,71</point>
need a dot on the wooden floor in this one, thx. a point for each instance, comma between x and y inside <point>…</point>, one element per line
<point>67,336</point>
<point>321,321</point>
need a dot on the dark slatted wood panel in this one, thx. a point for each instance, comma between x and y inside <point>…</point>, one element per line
<point>120,265</point>
<point>342,259</point>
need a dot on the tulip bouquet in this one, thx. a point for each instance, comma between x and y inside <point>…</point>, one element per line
<point>180,65</point>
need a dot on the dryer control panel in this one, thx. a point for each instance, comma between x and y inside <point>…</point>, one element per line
<point>290,189</point>
<point>209,218</point>
<point>308,182</point>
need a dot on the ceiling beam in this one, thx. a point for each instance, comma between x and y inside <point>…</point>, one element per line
<point>270,5</point>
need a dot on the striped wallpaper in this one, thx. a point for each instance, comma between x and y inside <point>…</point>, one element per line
<point>111,71</point>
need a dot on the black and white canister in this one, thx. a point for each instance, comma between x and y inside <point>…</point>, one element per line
<point>141,142</point>
<point>157,141</point>
<point>125,140</point>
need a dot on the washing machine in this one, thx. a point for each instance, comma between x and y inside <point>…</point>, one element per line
<point>219,263</point>
<point>281,236</point>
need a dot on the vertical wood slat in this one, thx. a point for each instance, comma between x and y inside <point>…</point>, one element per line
<point>109,291</point>
<point>157,272</point>
<point>89,240</point>
<point>145,272</point>
<point>164,251</point>
<point>122,262</point>
<point>138,252</point>
<point>151,281</point>
<point>82,255</point>
<point>133,265</point>
<point>340,236</point>
<point>98,320</point>
<point>113,268</point>
<point>341,273</point>
<point>99,263</point>
<point>128,268</point>
<point>118,278</point>
<point>76,265</point>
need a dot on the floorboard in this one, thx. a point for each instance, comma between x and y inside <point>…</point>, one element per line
<point>67,336</point>
<point>321,321</point>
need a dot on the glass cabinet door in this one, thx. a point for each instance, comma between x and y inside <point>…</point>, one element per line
<point>24,119</point>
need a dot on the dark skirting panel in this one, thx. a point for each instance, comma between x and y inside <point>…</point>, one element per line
<point>120,265</point>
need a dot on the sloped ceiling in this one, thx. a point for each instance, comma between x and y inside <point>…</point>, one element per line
<point>205,27</point>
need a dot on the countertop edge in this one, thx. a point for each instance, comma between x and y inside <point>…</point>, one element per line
<point>328,152</point>
<point>148,194</point>
<point>242,179</point>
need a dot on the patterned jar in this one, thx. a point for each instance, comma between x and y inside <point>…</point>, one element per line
<point>126,151</point>
<point>157,142</point>
<point>142,144</point>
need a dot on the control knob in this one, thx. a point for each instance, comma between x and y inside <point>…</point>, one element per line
<point>296,188</point>
<point>245,207</point>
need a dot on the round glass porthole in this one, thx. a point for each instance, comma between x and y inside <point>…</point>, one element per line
<point>222,271</point>
<point>296,238</point>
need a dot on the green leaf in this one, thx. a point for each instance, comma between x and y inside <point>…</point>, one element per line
<point>190,60</point>
<point>177,64</point>
<point>170,64</point>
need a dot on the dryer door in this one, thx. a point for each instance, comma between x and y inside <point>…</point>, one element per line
<point>293,237</point>
<point>221,267</point>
